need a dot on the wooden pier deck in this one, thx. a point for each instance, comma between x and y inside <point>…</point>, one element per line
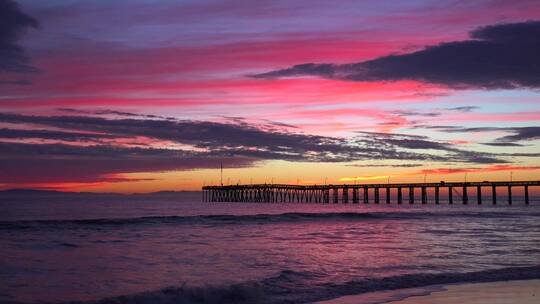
<point>343,193</point>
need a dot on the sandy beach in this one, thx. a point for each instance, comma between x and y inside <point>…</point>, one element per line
<point>515,292</point>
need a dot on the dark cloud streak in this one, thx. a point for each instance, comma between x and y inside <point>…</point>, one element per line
<point>106,152</point>
<point>463,109</point>
<point>502,144</point>
<point>501,56</point>
<point>59,163</point>
<point>53,135</point>
<point>519,133</point>
<point>13,23</point>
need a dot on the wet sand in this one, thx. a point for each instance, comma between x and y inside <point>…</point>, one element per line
<point>515,292</point>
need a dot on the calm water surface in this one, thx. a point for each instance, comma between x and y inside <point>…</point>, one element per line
<point>65,249</point>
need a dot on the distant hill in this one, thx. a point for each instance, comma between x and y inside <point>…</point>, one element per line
<point>37,192</point>
<point>29,191</point>
<point>13,193</point>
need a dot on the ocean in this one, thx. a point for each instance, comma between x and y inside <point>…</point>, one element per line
<point>177,249</point>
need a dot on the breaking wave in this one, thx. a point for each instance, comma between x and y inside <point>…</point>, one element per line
<point>299,287</point>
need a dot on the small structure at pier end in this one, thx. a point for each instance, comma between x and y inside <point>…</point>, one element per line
<point>325,194</point>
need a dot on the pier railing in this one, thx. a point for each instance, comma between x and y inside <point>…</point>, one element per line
<point>343,193</point>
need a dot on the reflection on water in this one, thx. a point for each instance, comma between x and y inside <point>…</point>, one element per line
<point>48,253</point>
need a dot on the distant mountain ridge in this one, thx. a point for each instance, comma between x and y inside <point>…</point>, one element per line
<point>42,192</point>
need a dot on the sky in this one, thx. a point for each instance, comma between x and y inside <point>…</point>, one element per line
<point>153,95</point>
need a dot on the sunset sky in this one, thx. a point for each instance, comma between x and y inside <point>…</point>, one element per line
<point>149,95</point>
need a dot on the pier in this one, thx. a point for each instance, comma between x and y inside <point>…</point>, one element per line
<point>370,193</point>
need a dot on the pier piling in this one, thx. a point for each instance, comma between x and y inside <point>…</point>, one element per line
<point>355,195</point>
<point>366,195</point>
<point>526,190</point>
<point>479,195</point>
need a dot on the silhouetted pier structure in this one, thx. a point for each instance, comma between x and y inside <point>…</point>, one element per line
<point>326,194</point>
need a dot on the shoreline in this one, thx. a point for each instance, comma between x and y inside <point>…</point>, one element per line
<point>499,292</point>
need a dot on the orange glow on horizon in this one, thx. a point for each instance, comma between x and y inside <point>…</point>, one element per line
<point>359,178</point>
<point>282,172</point>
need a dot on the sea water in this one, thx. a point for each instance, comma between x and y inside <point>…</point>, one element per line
<point>177,249</point>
